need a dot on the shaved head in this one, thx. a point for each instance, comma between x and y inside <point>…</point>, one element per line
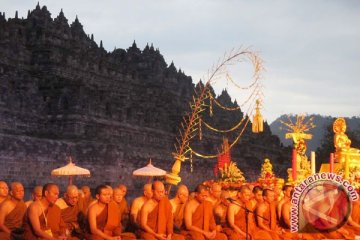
<point>4,189</point>
<point>158,190</point>
<point>47,187</point>
<point>71,189</point>
<point>118,194</point>
<point>182,193</point>
<point>17,190</point>
<point>122,187</point>
<point>148,193</point>
<point>37,193</point>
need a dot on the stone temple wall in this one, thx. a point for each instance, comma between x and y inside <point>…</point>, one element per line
<point>62,94</point>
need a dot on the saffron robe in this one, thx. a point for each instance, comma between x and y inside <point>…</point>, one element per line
<point>160,220</point>
<point>113,225</point>
<point>240,222</point>
<point>14,219</point>
<point>179,217</point>
<point>203,218</point>
<point>271,222</point>
<point>101,221</point>
<point>54,223</point>
<point>69,214</point>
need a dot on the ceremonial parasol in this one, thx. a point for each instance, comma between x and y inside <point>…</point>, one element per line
<point>149,171</point>
<point>70,170</point>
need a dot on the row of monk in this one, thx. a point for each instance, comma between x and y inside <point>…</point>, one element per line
<point>205,214</point>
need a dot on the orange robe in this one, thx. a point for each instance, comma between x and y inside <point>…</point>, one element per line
<point>179,217</point>
<point>74,219</point>
<point>85,204</point>
<point>160,220</point>
<point>271,222</point>
<point>355,213</point>
<point>54,222</point>
<point>101,221</point>
<point>14,219</point>
<point>203,218</point>
<point>70,216</point>
<point>240,222</point>
<point>220,213</point>
<point>113,225</point>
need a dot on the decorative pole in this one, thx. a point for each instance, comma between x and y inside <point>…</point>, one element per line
<point>191,123</point>
<point>312,159</point>
<point>294,166</point>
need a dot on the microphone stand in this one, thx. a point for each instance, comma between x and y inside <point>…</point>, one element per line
<point>247,211</point>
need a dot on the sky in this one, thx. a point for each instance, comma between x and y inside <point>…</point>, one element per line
<point>310,49</point>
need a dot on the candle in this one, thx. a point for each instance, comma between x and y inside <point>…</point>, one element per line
<point>312,159</point>
<point>331,162</point>
<point>294,173</point>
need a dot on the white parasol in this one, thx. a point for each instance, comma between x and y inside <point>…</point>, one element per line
<point>149,171</point>
<point>70,170</point>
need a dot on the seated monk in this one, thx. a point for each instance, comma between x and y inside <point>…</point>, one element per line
<point>137,205</point>
<point>220,211</point>
<point>355,212</point>
<point>98,216</point>
<point>87,198</point>
<point>124,207</point>
<point>342,145</point>
<point>266,219</point>
<point>70,211</point>
<point>236,217</point>
<point>215,194</point>
<point>257,198</point>
<point>287,197</point>
<point>353,223</point>
<point>156,217</point>
<point>12,212</point>
<point>35,195</point>
<point>4,191</point>
<point>116,209</point>
<point>284,222</point>
<point>43,218</point>
<point>199,217</point>
<point>178,207</point>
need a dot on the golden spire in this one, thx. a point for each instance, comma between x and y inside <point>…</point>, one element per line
<point>257,124</point>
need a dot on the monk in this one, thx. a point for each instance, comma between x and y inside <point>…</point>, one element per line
<point>284,222</point>
<point>87,198</point>
<point>43,218</point>
<point>267,210</point>
<point>138,203</point>
<point>257,198</point>
<point>70,211</point>
<point>287,197</point>
<point>12,211</point>
<point>156,217</point>
<point>178,207</point>
<point>355,212</point>
<point>116,210</point>
<point>215,194</point>
<point>220,211</point>
<point>35,195</point>
<point>4,191</point>
<point>98,216</point>
<point>199,217</point>
<point>236,216</point>
<point>124,206</point>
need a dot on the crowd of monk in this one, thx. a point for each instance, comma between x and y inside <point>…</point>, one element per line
<point>206,213</point>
